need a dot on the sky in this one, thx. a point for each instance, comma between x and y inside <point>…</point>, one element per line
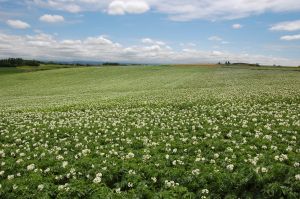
<point>152,31</point>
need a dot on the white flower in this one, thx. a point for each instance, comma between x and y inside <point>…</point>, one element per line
<point>1,173</point>
<point>205,191</point>
<point>2,154</point>
<point>47,170</point>
<point>41,187</point>
<point>230,167</point>
<point>281,157</point>
<point>30,167</point>
<point>130,184</point>
<point>131,172</point>
<point>171,183</point>
<point>72,171</point>
<point>146,157</point>
<point>289,148</point>
<point>297,177</point>
<point>196,172</point>
<point>64,187</point>
<point>97,179</point>
<point>15,187</point>
<point>154,179</point>
<point>64,164</point>
<point>59,157</point>
<point>130,155</point>
<point>10,177</point>
<point>86,151</point>
<point>264,170</point>
<point>60,187</point>
<point>118,190</point>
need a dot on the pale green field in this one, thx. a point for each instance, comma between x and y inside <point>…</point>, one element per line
<point>155,84</point>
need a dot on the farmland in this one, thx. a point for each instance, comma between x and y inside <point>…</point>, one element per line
<point>150,132</point>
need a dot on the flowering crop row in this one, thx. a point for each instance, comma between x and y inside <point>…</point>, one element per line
<point>185,150</point>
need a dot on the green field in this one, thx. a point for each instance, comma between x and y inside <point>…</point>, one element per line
<point>150,132</point>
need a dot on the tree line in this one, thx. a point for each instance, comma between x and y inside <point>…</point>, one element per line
<point>14,62</point>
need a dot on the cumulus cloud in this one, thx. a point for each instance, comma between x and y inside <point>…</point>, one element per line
<point>52,18</point>
<point>18,24</point>
<point>116,8</point>
<point>286,26</point>
<point>101,48</point>
<point>131,7</point>
<point>237,26</point>
<point>290,37</point>
<point>153,42</point>
<point>177,9</point>
<point>137,7</point>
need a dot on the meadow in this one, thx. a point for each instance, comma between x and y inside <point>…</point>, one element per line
<point>150,132</point>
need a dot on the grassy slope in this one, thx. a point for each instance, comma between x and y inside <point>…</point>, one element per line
<point>149,83</point>
<point>256,104</point>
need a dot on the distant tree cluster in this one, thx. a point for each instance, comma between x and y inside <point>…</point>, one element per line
<point>239,64</point>
<point>14,62</point>
<point>111,64</point>
<point>246,64</point>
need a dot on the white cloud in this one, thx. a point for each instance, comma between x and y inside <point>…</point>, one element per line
<point>131,7</point>
<point>218,39</point>
<point>153,42</point>
<point>188,45</point>
<point>52,18</point>
<point>286,26</point>
<point>177,9</point>
<point>100,48</point>
<point>73,6</point>
<point>217,53</point>
<point>290,37</point>
<point>116,8</point>
<point>237,26</point>
<point>18,24</point>
<point>215,38</point>
<point>137,7</point>
<point>221,9</point>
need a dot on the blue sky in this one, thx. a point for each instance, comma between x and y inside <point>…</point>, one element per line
<point>152,31</point>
